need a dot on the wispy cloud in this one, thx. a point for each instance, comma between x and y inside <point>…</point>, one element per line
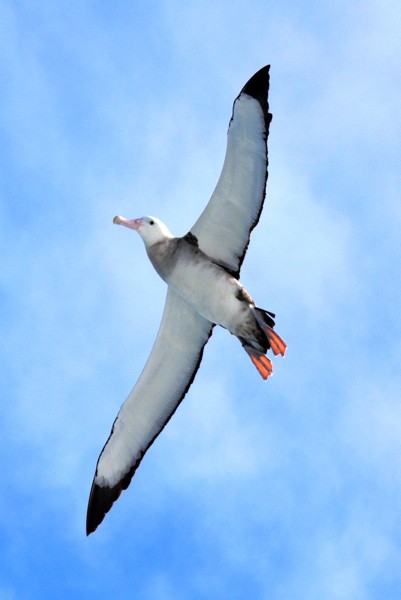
<point>281,490</point>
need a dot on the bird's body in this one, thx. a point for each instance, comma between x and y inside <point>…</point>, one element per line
<point>206,286</point>
<point>201,270</point>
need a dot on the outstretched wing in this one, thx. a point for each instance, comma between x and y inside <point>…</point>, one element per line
<point>224,227</point>
<point>166,378</point>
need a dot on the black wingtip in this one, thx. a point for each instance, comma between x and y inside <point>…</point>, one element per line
<point>258,84</point>
<point>258,88</point>
<point>101,499</point>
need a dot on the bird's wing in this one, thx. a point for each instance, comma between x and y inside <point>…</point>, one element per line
<point>166,378</point>
<point>224,227</point>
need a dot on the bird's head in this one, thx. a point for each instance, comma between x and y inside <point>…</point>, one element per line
<point>151,229</point>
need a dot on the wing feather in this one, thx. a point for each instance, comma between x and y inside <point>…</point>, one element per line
<point>224,227</point>
<point>166,378</point>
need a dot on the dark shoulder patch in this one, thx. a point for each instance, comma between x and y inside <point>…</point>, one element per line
<point>242,295</point>
<point>191,239</point>
<point>227,269</point>
<point>231,272</point>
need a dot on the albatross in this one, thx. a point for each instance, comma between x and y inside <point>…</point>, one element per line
<point>201,270</point>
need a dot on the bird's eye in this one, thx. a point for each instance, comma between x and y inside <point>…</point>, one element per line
<point>151,222</point>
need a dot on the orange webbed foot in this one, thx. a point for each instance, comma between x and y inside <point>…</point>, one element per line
<point>261,362</point>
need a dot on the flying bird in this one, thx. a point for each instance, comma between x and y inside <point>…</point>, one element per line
<point>201,270</point>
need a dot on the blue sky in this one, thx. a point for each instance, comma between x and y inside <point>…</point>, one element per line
<point>278,490</point>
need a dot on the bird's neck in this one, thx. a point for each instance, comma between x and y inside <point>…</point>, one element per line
<point>163,256</point>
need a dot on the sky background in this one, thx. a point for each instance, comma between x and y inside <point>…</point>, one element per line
<point>279,490</point>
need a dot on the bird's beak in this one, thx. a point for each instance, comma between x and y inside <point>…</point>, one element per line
<point>131,223</point>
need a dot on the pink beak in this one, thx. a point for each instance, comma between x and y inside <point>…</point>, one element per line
<point>132,223</point>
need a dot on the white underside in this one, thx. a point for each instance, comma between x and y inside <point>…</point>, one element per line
<point>223,227</point>
<point>210,291</point>
<point>158,390</point>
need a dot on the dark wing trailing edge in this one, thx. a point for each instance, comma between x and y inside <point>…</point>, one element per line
<point>166,378</point>
<point>224,227</point>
